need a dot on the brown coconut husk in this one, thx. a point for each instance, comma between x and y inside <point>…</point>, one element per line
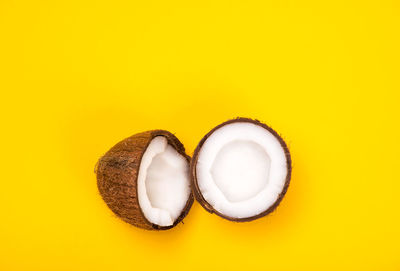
<point>117,173</point>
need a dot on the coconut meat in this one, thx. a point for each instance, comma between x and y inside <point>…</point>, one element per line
<point>163,183</point>
<point>241,169</point>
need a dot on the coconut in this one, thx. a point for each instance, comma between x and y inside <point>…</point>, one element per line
<point>241,170</point>
<point>145,181</point>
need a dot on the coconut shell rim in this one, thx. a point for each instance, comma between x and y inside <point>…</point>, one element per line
<point>179,147</point>
<point>193,174</point>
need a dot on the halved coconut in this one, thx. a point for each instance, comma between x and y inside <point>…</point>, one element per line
<point>241,170</point>
<point>144,179</point>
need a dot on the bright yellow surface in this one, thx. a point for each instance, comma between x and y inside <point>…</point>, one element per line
<point>76,77</point>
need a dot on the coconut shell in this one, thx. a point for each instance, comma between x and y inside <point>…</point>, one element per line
<point>117,172</point>
<point>193,175</point>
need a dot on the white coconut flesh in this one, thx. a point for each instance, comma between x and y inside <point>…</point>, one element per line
<point>241,169</point>
<point>163,183</point>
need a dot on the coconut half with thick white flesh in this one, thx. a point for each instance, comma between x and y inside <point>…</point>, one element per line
<point>241,170</point>
<point>145,181</point>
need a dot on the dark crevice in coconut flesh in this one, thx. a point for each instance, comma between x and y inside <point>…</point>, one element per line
<point>144,179</point>
<point>241,170</point>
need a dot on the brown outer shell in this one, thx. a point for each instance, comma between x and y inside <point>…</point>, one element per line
<point>193,174</point>
<point>117,173</point>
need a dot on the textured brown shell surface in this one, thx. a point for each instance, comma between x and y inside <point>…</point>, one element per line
<point>193,173</point>
<point>117,172</point>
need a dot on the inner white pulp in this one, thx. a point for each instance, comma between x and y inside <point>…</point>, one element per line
<point>241,169</point>
<point>163,183</point>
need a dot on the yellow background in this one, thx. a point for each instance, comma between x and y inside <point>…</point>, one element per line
<point>76,77</point>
